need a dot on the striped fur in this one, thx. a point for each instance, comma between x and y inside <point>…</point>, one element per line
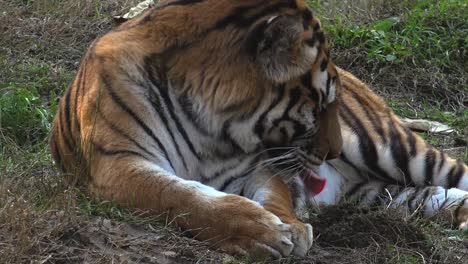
<point>384,163</point>
<point>197,103</point>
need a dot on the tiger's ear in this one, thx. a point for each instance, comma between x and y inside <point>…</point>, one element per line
<point>277,48</point>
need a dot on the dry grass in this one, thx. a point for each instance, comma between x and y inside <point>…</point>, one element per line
<point>43,221</point>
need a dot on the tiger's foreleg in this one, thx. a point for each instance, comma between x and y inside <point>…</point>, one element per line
<point>229,222</point>
<point>274,195</point>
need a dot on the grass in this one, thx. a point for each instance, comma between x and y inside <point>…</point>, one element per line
<point>419,45</point>
<point>412,52</point>
<point>425,29</point>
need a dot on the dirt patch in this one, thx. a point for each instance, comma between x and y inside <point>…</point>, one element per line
<point>351,234</point>
<point>132,243</point>
<point>55,237</point>
<point>357,227</point>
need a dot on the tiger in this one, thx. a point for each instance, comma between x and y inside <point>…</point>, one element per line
<point>392,167</point>
<point>225,147</point>
<point>203,110</point>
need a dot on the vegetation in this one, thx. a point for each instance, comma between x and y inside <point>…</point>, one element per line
<point>414,53</point>
<point>430,30</point>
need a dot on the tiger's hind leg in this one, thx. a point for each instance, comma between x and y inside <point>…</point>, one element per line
<point>447,205</point>
<point>378,150</point>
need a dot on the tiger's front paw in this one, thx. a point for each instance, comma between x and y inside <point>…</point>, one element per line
<point>251,230</point>
<point>301,237</point>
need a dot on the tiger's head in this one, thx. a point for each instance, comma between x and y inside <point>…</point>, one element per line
<point>301,128</point>
<point>258,73</point>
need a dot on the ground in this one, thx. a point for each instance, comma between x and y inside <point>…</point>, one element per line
<point>413,53</point>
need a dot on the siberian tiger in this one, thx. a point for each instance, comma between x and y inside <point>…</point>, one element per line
<point>226,115</point>
<point>204,109</point>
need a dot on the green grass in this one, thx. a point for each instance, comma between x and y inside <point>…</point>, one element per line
<point>29,101</point>
<point>426,29</point>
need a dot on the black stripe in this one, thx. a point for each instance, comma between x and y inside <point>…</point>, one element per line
<point>106,152</point>
<point>65,136</point>
<point>223,171</point>
<point>379,198</point>
<point>399,152</point>
<point>367,147</point>
<point>347,161</point>
<point>295,190</point>
<point>80,81</point>
<point>181,3</point>
<point>396,191</point>
<point>426,194</point>
<point>315,96</point>
<point>227,137</point>
<point>205,179</point>
<point>413,197</point>
<point>369,174</point>
<point>244,116</point>
<point>445,201</point>
<point>241,193</point>
<point>299,128</point>
<point>443,158</point>
<point>316,27</point>
<point>226,185</point>
<point>430,163</point>
<point>316,36</point>
<point>66,108</point>
<point>323,97</point>
<point>324,64</point>
<point>455,177</point>
<point>411,140</point>
<point>306,79</point>
<point>255,37</point>
<point>375,121</point>
<point>187,108</point>
<point>459,207</point>
<point>125,135</point>
<point>422,201</point>
<point>356,188</point>
<point>108,84</point>
<point>56,153</point>
<point>294,97</point>
<point>307,17</point>
<point>158,107</point>
<point>328,85</point>
<point>241,175</point>
<point>238,15</point>
<point>258,127</point>
<point>163,90</point>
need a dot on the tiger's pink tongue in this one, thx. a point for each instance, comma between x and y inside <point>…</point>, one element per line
<point>313,183</point>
